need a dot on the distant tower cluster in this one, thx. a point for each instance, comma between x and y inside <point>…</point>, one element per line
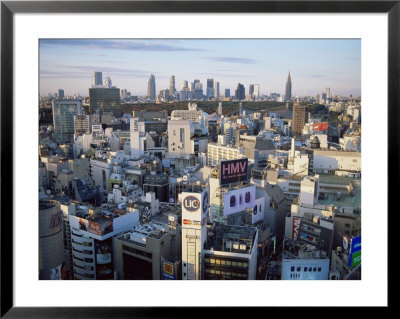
<point>151,87</point>
<point>288,92</point>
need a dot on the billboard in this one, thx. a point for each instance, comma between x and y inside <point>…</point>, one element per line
<point>195,209</point>
<point>167,270</point>
<point>233,171</point>
<point>258,210</point>
<point>91,227</point>
<point>237,200</point>
<point>320,126</point>
<point>355,252</point>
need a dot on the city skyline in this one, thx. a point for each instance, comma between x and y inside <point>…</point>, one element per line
<point>314,64</point>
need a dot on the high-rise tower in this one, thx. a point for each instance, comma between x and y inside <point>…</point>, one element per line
<point>97,79</point>
<point>172,89</point>
<point>151,88</point>
<point>288,92</point>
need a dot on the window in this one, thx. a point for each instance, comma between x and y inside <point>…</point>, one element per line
<point>298,268</point>
<point>292,268</point>
<point>319,269</point>
<point>305,269</point>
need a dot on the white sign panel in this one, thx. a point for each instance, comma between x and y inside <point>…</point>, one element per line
<point>258,210</point>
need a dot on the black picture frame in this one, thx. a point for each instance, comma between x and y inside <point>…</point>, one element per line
<point>9,8</point>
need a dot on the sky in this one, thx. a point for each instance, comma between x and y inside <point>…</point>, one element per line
<point>314,64</point>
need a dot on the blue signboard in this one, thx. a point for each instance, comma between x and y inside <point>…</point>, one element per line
<point>355,252</point>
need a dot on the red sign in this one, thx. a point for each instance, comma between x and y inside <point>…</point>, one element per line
<point>187,222</point>
<point>296,226</point>
<point>320,126</point>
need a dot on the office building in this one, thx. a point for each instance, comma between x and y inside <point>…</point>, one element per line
<point>251,89</point>
<point>240,93</point>
<point>108,82</point>
<point>165,94</point>
<point>256,91</point>
<point>227,93</point>
<point>288,90</point>
<point>63,119</point>
<point>97,79</point>
<point>216,89</point>
<point>210,88</point>
<point>82,124</point>
<point>51,241</point>
<point>299,118</point>
<point>151,88</point>
<point>104,99</point>
<point>60,94</point>
<point>172,89</point>
<point>184,85</point>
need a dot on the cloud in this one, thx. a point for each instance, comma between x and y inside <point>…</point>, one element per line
<point>147,45</point>
<point>232,60</point>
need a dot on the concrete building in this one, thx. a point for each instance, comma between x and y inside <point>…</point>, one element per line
<point>97,79</point>
<point>141,252</point>
<point>303,262</point>
<point>186,137</point>
<point>82,124</point>
<point>151,88</point>
<point>92,232</point>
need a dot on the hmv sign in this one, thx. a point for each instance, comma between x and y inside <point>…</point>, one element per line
<point>233,171</point>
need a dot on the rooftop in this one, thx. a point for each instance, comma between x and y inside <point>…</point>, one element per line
<point>236,239</point>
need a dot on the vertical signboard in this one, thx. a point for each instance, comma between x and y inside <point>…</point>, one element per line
<point>295,227</point>
<point>355,252</point>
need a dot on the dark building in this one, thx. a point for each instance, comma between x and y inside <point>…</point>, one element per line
<point>299,118</point>
<point>157,183</point>
<point>240,92</point>
<point>105,100</point>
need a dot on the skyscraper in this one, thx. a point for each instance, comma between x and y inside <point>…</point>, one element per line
<point>210,88</point>
<point>288,92</point>
<point>256,90</point>
<point>184,85</point>
<point>299,118</point>
<point>251,89</point>
<point>216,89</point>
<point>97,79</point>
<point>108,82</point>
<point>328,93</point>
<point>240,92</point>
<point>151,88</point>
<point>227,93</point>
<point>172,89</point>
<point>60,93</point>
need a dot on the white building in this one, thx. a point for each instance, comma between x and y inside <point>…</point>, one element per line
<point>91,236</point>
<point>186,137</point>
